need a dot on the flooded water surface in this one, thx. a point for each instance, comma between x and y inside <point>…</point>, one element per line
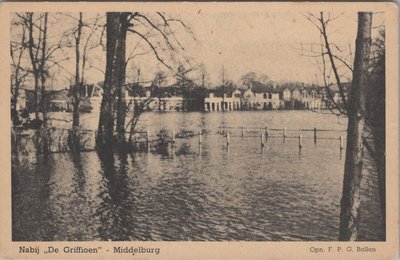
<point>203,192</point>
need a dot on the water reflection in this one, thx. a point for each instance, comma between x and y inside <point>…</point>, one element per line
<point>31,200</point>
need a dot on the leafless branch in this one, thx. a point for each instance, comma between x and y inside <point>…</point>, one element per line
<point>156,27</point>
<point>153,48</point>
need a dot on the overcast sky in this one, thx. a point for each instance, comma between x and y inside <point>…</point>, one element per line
<point>274,44</point>
<point>269,43</point>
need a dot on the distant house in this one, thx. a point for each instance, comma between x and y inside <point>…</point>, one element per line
<point>296,94</point>
<point>314,93</point>
<point>236,100</point>
<point>171,103</point>
<point>163,99</point>
<point>249,100</point>
<point>311,99</point>
<point>271,98</point>
<point>332,96</point>
<point>264,97</point>
<point>304,94</point>
<point>213,103</point>
<point>56,100</point>
<point>253,96</point>
<point>291,91</point>
<point>286,94</point>
<point>224,103</point>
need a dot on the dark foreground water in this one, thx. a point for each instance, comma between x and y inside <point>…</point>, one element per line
<point>207,192</point>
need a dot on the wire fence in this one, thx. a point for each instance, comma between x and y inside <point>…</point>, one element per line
<point>59,137</point>
<point>228,132</point>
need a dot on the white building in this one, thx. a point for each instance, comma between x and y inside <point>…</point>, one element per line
<point>225,103</point>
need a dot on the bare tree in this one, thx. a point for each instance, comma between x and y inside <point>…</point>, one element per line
<point>330,61</point>
<point>43,72</point>
<point>349,215</point>
<point>120,75</point>
<point>354,107</point>
<point>19,73</point>
<point>42,58</point>
<point>82,35</point>
<point>157,35</point>
<point>34,57</point>
<point>105,132</point>
<point>76,88</point>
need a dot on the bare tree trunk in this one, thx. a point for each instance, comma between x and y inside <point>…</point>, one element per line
<point>34,65</point>
<point>350,202</point>
<point>76,88</point>
<point>18,78</point>
<point>76,97</point>
<point>42,71</point>
<point>105,131</point>
<point>120,76</point>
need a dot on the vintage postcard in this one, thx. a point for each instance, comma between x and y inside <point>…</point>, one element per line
<point>201,130</point>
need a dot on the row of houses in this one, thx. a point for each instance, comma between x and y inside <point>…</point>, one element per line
<point>242,100</point>
<point>254,97</point>
<point>273,97</point>
<point>163,100</point>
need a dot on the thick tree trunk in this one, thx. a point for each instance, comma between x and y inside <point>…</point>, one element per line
<point>120,77</point>
<point>350,202</point>
<point>105,130</point>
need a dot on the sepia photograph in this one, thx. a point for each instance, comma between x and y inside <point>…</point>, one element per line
<point>203,124</point>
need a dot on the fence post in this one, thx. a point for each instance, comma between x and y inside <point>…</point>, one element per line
<point>200,137</point>
<point>242,131</point>
<point>284,134</point>
<point>300,141</point>
<point>227,138</point>
<point>262,140</point>
<point>173,137</point>
<point>341,142</point>
<point>220,129</point>
<point>148,141</point>
<point>266,132</point>
<point>315,135</point>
